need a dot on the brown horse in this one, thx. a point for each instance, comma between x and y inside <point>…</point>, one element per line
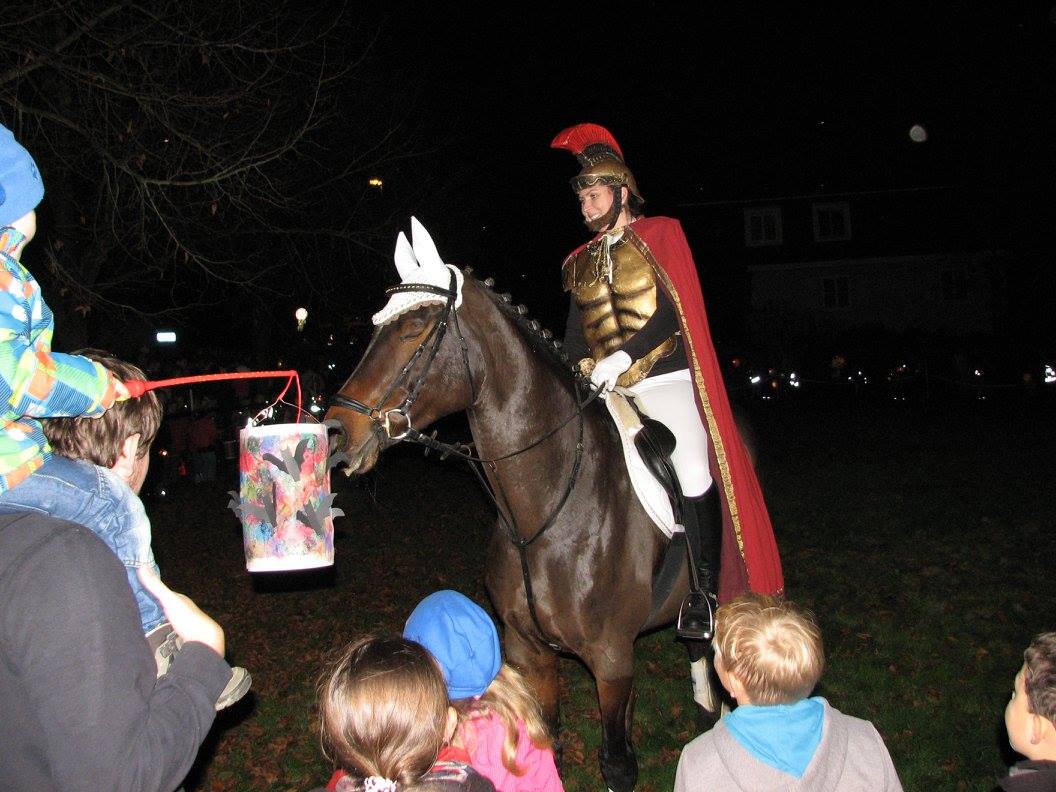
<point>571,560</point>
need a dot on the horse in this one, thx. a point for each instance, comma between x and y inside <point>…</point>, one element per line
<point>571,560</point>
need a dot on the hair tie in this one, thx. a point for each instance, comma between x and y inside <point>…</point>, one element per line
<point>378,784</point>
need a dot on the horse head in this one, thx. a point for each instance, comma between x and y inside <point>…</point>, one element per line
<point>416,368</point>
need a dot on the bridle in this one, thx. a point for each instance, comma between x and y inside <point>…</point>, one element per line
<point>383,425</point>
<point>382,418</point>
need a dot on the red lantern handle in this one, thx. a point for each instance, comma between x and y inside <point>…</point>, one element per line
<point>137,388</point>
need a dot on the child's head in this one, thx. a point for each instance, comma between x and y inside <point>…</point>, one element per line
<point>1030,716</point>
<point>464,641</point>
<point>120,438</point>
<point>769,647</point>
<point>462,638</point>
<point>383,710</point>
<point>21,187</point>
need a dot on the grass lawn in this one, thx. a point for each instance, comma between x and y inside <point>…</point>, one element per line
<point>922,540</point>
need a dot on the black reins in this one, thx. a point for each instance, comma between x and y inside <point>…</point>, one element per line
<point>382,424</point>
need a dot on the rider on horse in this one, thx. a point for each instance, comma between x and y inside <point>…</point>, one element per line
<point>637,320</point>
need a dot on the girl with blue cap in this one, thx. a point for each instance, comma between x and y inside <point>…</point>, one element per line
<point>499,722</point>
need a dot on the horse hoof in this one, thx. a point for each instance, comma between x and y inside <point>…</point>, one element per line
<point>620,772</point>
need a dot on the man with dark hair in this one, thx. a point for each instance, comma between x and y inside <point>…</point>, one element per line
<point>82,708</point>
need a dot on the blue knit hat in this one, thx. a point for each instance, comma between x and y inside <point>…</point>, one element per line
<point>462,638</point>
<point>21,187</point>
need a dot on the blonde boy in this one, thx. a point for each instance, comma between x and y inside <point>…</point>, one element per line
<point>1030,718</point>
<point>769,656</point>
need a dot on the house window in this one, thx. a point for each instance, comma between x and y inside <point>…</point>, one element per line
<point>954,284</point>
<point>762,226</point>
<point>832,222</point>
<point>835,293</point>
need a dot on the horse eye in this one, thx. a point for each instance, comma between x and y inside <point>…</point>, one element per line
<point>412,328</point>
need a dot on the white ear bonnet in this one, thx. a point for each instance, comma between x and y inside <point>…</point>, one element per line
<point>418,262</point>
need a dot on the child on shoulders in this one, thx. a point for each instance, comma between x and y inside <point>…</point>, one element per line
<point>499,723</point>
<point>1030,719</point>
<point>34,381</point>
<point>769,656</point>
<point>386,722</point>
<point>93,478</point>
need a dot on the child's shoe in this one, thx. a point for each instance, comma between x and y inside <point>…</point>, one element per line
<point>237,686</point>
<point>165,643</point>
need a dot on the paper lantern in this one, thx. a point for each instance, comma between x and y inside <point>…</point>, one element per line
<point>286,504</point>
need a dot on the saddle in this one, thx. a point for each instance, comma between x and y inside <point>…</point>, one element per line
<point>655,443</point>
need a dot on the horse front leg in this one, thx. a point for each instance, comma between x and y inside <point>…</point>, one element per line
<point>613,667</point>
<point>538,663</point>
<point>619,767</point>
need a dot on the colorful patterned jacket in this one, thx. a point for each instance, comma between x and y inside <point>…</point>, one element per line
<point>34,381</point>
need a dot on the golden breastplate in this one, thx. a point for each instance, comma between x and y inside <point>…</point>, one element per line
<point>615,288</point>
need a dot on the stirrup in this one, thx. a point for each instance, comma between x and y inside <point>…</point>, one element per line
<point>696,617</point>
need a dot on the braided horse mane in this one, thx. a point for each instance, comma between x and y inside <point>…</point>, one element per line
<point>539,338</point>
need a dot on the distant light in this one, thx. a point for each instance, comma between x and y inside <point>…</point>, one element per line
<point>166,336</point>
<point>978,373</point>
<point>755,379</point>
<point>918,134</point>
<point>375,182</point>
<point>315,408</point>
<point>301,315</point>
<point>1050,374</point>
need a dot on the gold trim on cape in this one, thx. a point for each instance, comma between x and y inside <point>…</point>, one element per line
<point>698,379</point>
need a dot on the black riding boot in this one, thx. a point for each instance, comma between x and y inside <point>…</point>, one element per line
<point>696,619</point>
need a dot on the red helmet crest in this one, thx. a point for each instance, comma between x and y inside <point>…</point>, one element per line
<point>599,155</point>
<point>577,138</point>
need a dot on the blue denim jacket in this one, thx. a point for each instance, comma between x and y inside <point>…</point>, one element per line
<point>100,500</point>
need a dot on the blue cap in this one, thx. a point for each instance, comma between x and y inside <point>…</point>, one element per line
<point>21,187</point>
<point>462,638</point>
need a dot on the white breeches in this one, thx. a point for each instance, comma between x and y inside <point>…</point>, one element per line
<point>669,399</point>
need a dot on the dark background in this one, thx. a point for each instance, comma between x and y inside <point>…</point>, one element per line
<point>745,101</point>
<point>454,107</point>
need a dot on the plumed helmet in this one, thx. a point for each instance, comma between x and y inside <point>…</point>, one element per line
<point>600,156</point>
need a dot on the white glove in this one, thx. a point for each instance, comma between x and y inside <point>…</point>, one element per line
<point>608,369</point>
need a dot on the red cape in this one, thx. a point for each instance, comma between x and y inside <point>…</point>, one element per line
<point>750,558</point>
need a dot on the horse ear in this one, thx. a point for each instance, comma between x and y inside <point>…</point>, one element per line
<point>424,248</point>
<point>406,264</point>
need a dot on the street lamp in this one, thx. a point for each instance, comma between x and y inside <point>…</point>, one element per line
<point>301,315</point>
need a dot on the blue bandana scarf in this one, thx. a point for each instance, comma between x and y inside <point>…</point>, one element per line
<point>783,736</point>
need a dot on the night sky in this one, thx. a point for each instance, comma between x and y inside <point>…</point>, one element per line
<point>748,101</point>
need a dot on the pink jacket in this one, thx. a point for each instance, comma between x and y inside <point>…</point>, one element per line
<point>483,738</point>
